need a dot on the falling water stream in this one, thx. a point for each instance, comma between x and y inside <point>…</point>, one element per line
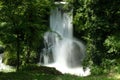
<point>0,60</point>
<point>62,50</point>
<point>3,67</point>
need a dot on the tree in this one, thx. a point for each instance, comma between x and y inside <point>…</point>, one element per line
<point>23,23</point>
<point>97,23</point>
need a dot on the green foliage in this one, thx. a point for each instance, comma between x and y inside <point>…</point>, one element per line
<point>113,44</point>
<point>28,67</point>
<point>109,65</point>
<point>97,70</point>
<point>118,69</point>
<point>22,24</point>
<point>97,23</point>
<point>10,59</point>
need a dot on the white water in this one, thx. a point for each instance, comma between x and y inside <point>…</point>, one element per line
<point>61,50</point>
<point>4,67</point>
<point>1,64</point>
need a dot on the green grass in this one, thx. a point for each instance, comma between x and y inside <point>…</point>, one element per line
<point>31,75</point>
<point>33,72</point>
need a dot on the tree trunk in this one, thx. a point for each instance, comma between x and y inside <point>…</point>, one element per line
<point>18,52</point>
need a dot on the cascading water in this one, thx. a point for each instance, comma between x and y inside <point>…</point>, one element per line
<point>1,56</point>
<point>62,51</point>
<point>4,67</point>
<point>0,60</point>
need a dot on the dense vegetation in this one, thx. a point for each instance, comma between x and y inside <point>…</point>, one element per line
<point>96,23</point>
<point>23,24</point>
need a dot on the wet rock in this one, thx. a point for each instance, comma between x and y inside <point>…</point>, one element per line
<point>1,49</point>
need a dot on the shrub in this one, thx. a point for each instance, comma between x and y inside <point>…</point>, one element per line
<point>29,67</point>
<point>96,70</point>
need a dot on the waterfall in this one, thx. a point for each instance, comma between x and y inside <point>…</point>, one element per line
<point>62,50</point>
<point>1,58</point>
<point>4,67</point>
